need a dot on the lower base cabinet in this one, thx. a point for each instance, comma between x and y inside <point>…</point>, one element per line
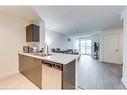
<point>31,68</point>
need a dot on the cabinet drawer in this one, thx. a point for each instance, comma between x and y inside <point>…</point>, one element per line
<point>27,59</point>
<point>37,61</point>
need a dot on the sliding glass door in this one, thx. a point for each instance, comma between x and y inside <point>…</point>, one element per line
<point>85,46</point>
<point>82,47</point>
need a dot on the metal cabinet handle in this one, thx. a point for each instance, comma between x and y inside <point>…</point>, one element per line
<point>116,50</point>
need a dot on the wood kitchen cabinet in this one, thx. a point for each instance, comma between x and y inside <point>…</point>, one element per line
<point>32,33</point>
<point>69,76</point>
<point>31,68</point>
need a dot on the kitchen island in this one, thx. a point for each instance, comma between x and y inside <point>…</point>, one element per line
<point>55,71</point>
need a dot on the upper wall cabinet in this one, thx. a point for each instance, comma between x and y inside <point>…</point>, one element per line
<point>32,33</point>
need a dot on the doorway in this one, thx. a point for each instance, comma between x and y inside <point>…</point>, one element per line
<point>85,46</point>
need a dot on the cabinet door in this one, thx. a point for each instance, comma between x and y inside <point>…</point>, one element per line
<point>37,72</point>
<point>26,67</point>
<point>29,33</point>
<point>35,33</point>
<point>51,78</point>
<point>21,69</point>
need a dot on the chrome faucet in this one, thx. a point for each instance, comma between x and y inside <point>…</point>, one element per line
<point>46,49</point>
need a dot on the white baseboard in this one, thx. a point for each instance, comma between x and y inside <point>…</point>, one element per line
<point>124,82</point>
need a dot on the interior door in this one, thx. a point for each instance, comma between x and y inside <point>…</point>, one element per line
<point>111,48</point>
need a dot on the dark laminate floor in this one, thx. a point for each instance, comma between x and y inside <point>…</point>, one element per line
<point>95,75</point>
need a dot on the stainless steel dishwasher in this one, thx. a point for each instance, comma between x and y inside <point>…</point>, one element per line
<point>51,75</point>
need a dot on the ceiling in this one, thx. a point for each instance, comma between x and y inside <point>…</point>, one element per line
<point>69,19</point>
<point>22,12</point>
<point>78,19</point>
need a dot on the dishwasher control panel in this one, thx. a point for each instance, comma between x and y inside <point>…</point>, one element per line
<point>53,65</point>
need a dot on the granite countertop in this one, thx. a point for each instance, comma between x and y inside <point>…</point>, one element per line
<point>55,57</point>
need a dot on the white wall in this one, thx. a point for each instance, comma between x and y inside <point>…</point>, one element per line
<point>108,31</point>
<point>124,77</point>
<point>12,39</point>
<point>56,40</point>
<point>70,44</point>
